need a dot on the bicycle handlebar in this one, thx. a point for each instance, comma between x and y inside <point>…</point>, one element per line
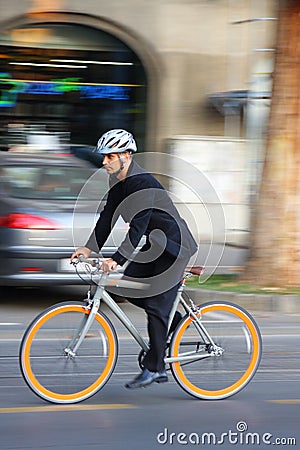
<point>96,263</point>
<point>117,281</point>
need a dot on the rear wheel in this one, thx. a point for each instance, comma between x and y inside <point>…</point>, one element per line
<point>220,370</point>
<point>51,370</point>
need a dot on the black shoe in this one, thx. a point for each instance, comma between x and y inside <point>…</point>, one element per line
<point>145,378</point>
<point>162,378</point>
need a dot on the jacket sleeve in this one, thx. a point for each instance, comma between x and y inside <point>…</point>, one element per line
<point>137,229</point>
<point>104,224</point>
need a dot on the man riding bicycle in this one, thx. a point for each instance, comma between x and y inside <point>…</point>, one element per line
<point>142,201</point>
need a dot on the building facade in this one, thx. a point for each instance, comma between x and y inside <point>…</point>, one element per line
<point>161,68</point>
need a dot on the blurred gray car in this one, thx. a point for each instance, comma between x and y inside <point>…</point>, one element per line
<point>48,206</point>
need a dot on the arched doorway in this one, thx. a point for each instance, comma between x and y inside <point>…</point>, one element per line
<point>70,80</point>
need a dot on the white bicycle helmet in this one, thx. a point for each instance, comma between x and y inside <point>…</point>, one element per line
<point>116,141</point>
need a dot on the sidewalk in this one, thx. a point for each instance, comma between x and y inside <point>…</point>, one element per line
<point>252,302</point>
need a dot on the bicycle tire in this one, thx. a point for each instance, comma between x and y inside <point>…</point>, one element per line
<point>50,372</point>
<point>214,376</point>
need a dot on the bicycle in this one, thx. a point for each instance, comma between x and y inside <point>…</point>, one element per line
<point>69,351</point>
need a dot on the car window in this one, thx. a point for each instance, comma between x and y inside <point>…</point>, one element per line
<point>52,183</point>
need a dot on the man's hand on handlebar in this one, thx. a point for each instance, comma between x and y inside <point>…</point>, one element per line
<point>84,251</point>
<point>108,265</point>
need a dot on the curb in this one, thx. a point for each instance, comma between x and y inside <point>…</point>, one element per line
<point>253,302</point>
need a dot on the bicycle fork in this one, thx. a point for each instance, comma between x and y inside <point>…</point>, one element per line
<point>83,328</point>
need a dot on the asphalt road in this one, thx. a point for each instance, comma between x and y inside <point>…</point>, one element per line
<point>265,413</point>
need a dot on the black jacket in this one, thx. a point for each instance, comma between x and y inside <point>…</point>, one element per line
<point>143,202</point>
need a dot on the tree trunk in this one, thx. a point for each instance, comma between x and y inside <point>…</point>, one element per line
<point>275,253</point>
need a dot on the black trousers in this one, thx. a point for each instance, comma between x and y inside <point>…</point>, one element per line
<point>159,305</point>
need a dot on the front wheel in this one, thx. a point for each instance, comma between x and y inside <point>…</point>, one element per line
<point>47,363</point>
<point>216,355</point>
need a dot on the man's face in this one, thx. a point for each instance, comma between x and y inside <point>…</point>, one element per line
<point>112,163</point>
